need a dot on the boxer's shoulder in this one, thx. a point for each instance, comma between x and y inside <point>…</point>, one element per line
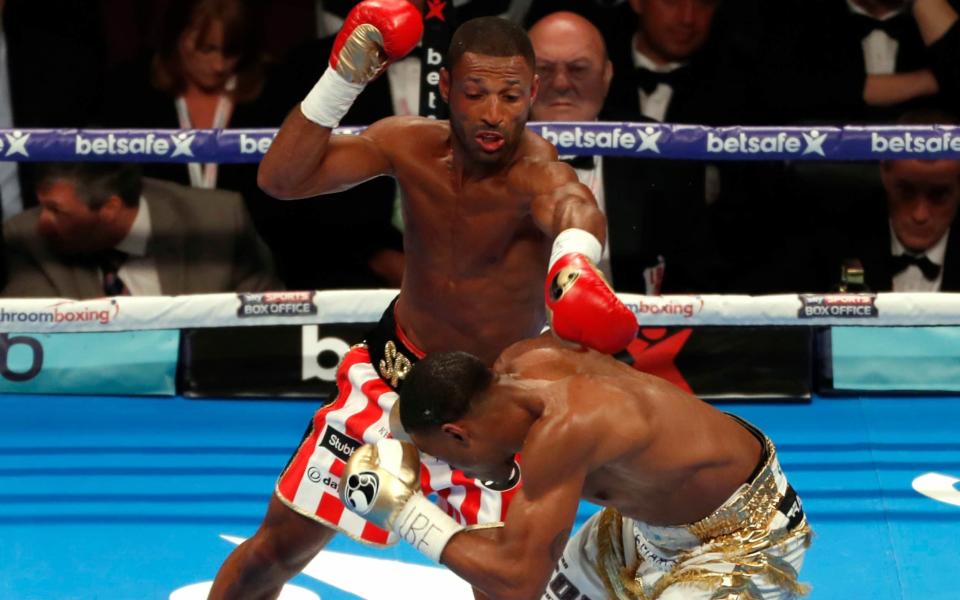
<point>405,134</point>
<point>401,126</point>
<point>542,357</point>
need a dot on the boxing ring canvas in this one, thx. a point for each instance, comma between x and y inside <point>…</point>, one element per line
<point>137,497</point>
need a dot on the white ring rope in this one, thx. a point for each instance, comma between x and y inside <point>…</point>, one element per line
<point>46,315</point>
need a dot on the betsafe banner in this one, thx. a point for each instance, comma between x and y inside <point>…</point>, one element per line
<point>102,363</point>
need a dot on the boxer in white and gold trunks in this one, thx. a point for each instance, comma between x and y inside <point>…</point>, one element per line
<point>497,232</point>
<point>697,506</point>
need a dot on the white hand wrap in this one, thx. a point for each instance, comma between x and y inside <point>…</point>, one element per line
<point>330,99</point>
<point>576,240</point>
<point>425,526</point>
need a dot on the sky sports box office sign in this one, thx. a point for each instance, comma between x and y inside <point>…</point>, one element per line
<point>102,363</point>
<point>300,360</point>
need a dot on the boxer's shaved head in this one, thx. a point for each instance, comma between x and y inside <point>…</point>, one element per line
<point>490,36</point>
<point>440,389</point>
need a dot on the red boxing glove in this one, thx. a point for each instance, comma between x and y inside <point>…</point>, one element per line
<point>374,34</point>
<point>583,309</point>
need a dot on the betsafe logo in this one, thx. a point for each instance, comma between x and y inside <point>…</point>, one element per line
<point>134,143</point>
<point>914,142</point>
<point>15,144</point>
<point>19,345</point>
<point>638,139</point>
<point>781,142</point>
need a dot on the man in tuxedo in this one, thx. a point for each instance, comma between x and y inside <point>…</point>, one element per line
<point>102,230</point>
<point>856,60</point>
<point>655,238</point>
<point>907,241</point>
<point>676,68</point>
<point>922,200</point>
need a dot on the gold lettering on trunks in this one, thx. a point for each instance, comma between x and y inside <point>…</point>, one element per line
<point>394,366</point>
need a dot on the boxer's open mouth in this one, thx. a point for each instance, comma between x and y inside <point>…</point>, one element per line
<point>490,141</point>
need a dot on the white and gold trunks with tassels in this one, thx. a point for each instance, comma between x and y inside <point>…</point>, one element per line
<point>750,548</point>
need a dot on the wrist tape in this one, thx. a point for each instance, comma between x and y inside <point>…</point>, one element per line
<point>576,240</point>
<point>330,99</point>
<point>425,526</point>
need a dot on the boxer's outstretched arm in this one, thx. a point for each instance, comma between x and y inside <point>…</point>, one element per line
<point>581,306</point>
<point>560,201</point>
<point>515,562</point>
<point>305,160</point>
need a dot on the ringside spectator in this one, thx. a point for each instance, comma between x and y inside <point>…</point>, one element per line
<point>904,238</point>
<point>656,237</point>
<point>102,230</point>
<point>854,60</point>
<point>674,60</point>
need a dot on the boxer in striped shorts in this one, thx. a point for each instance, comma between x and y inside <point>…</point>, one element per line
<point>500,239</point>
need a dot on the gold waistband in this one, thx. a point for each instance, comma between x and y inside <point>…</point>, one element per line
<point>752,508</point>
<point>739,532</point>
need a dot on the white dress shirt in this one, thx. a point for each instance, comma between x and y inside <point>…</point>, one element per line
<point>404,79</point>
<point>139,271</point>
<point>655,104</point>
<point>879,49</point>
<point>911,279</point>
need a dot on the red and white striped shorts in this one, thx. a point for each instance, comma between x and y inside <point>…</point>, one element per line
<point>360,415</point>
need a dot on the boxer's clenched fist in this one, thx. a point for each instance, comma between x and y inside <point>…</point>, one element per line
<point>375,33</point>
<point>381,483</point>
<point>582,307</point>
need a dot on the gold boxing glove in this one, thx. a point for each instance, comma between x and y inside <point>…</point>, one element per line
<point>381,483</point>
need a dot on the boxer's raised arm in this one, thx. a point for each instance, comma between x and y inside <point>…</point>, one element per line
<point>303,159</point>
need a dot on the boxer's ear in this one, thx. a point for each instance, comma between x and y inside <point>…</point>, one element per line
<point>445,84</point>
<point>454,431</point>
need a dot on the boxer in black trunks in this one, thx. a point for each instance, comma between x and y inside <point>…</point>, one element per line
<point>498,235</point>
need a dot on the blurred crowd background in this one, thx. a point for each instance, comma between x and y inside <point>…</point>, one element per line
<point>94,229</point>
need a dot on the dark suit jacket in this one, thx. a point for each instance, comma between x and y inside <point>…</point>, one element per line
<point>201,241</point>
<point>813,65</point>
<point>718,87</point>
<point>655,209</point>
<point>943,60</point>
<point>874,254</point>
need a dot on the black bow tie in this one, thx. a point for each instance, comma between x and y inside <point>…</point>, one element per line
<point>896,27</point>
<point>580,162</point>
<point>648,80</point>
<point>930,269</point>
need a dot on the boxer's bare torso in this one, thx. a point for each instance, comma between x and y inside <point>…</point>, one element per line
<point>483,198</point>
<point>475,256</point>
